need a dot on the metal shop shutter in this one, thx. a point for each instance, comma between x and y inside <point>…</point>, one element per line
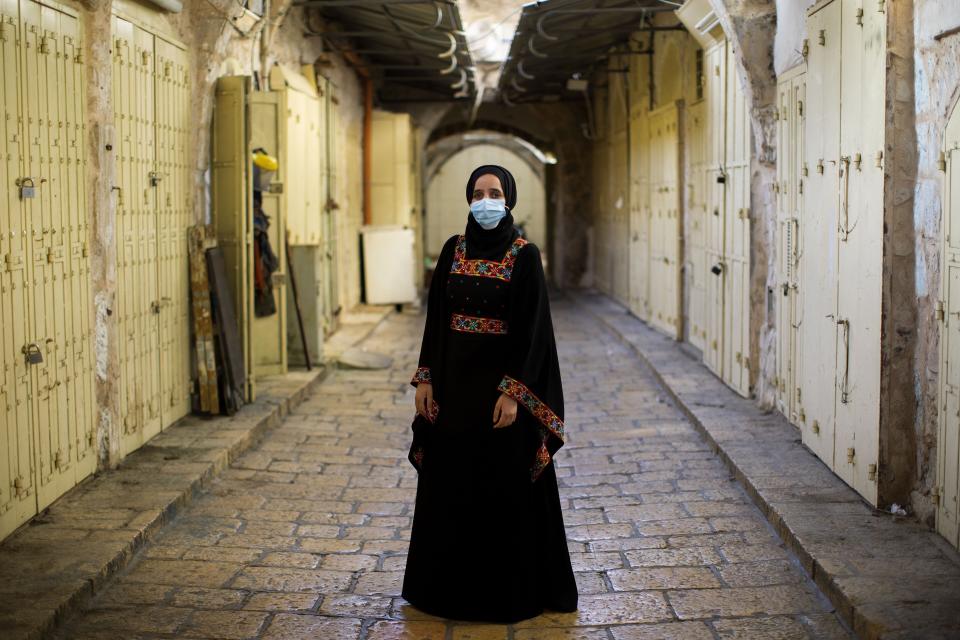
<point>46,369</point>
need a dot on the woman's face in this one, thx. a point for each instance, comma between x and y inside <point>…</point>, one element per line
<point>487,186</point>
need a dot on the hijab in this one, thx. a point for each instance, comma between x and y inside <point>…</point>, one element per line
<point>506,181</point>
<point>491,244</point>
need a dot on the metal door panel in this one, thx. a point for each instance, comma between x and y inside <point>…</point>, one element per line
<point>270,332</point>
<point>174,216</point>
<point>665,220</point>
<point>329,205</point>
<point>619,186</point>
<point>715,98</point>
<point>48,417</point>
<point>56,409</point>
<point>736,340</point>
<point>18,499</point>
<point>948,435</point>
<point>80,396</point>
<point>298,180</point>
<point>313,155</point>
<point>639,231</point>
<point>125,229</point>
<point>819,234</point>
<point>795,249</point>
<point>948,521</point>
<point>784,197</point>
<point>231,192</point>
<point>137,269</point>
<point>698,270</point>
<point>860,254</point>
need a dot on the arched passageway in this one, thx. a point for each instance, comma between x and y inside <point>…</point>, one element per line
<point>455,158</point>
<point>759,195</point>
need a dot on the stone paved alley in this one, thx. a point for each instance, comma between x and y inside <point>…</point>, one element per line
<point>305,535</point>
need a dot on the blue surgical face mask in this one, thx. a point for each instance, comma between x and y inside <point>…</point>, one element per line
<point>488,212</point>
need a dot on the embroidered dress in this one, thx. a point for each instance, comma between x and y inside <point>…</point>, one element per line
<point>488,540</point>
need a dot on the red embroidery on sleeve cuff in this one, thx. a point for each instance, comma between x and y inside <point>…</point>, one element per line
<point>519,392</point>
<point>422,374</point>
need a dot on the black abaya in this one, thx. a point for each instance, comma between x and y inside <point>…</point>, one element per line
<point>488,540</point>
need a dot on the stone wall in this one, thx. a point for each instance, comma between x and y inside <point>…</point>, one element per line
<point>935,87</point>
<point>216,48</point>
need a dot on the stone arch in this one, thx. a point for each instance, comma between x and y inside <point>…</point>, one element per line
<point>553,127</point>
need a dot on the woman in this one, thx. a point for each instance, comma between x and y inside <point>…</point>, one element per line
<point>488,541</point>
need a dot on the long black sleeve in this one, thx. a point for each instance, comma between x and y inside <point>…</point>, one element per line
<point>435,326</point>
<point>532,375</point>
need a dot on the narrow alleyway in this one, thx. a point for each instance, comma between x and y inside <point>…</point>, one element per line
<point>305,535</point>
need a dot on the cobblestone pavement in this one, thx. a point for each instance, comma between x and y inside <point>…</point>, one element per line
<point>305,535</point>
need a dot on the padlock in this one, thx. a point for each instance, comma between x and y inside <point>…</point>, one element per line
<point>33,353</point>
<point>27,188</point>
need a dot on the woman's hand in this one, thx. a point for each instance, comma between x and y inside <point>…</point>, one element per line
<point>424,398</point>
<point>505,411</point>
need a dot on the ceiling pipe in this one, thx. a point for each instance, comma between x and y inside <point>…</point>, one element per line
<point>553,12</point>
<point>523,73</point>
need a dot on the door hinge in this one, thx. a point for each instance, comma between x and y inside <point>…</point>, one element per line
<point>822,37</point>
<point>851,452</point>
<point>939,311</point>
<point>935,495</point>
<point>872,472</point>
<point>942,161</point>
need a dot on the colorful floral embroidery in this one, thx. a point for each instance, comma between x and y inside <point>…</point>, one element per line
<point>475,324</point>
<point>550,422</point>
<point>422,374</point>
<point>542,458</point>
<point>486,268</point>
<point>519,392</point>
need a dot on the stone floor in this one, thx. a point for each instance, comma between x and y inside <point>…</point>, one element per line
<point>305,535</point>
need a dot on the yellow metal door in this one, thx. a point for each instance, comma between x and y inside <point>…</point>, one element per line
<point>300,164</point>
<point>819,234</point>
<point>639,255</point>
<point>796,289</point>
<point>269,333</point>
<point>330,204</point>
<point>174,215</point>
<point>948,436</point>
<point>736,246</point>
<point>18,495</point>
<point>138,300</point>
<point>696,260</point>
<point>390,168</point>
<point>789,193</point>
<point>71,143</point>
<point>46,418</point>
<point>61,415</point>
<point>860,255</point>
<point>619,189</point>
<point>603,262</point>
<point>619,185</point>
<point>230,189</point>
<point>715,70</point>
<point>665,210</point>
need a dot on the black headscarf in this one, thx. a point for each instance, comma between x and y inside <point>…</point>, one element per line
<point>506,181</point>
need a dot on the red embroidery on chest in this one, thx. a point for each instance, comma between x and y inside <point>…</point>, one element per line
<point>475,324</point>
<point>485,268</point>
